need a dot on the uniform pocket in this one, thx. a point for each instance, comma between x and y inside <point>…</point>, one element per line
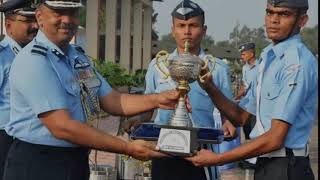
<point>272,92</point>
<point>71,87</point>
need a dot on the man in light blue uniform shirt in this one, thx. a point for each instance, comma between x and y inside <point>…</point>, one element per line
<point>21,27</point>
<point>249,76</point>
<point>188,24</point>
<point>247,93</point>
<point>287,100</point>
<point>55,96</point>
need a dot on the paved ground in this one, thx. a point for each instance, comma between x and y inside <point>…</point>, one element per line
<point>111,126</point>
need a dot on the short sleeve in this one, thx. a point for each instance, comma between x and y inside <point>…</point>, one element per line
<point>222,79</point>
<point>149,80</point>
<point>38,84</point>
<point>105,87</point>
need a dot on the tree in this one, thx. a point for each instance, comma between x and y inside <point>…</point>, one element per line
<point>225,44</point>
<point>207,42</point>
<point>245,34</point>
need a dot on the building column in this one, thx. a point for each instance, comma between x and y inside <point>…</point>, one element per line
<point>111,29</point>
<point>137,35</point>
<point>125,34</point>
<point>147,36</point>
<point>92,28</point>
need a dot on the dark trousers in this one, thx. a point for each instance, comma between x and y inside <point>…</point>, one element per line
<point>5,142</point>
<point>176,169</point>
<point>27,161</point>
<point>283,168</point>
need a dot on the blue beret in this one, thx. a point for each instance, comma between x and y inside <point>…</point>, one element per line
<point>62,4</point>
<point>21,7</point>
<point>246,46</point>
<point>186,10</point>
<point>290,3</point>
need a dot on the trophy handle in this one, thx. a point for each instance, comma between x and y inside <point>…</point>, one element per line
<point>205,66</point>
<point>158,56</point>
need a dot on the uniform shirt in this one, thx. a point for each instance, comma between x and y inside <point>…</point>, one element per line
<point>202,106</point>
<point>289,87</point>
<point>8,50</point>
<point>43,79</point>
<point>249,78</point>
<point>249,74</point>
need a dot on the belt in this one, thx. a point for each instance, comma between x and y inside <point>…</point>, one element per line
<point>284,152</point>
<point>52,149</point>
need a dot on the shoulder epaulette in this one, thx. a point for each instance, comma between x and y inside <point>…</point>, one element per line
<point>39,50</point>
<point>293,53</point>
<point>57,53</point>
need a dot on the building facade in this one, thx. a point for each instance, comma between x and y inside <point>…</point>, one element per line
<point>126,37</point>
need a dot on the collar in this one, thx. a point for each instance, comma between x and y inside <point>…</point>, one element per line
<point>15,47</point>
<point>280,48</point>
<point>253,65</point>
<point>42,38</point>
<point>175,53</point>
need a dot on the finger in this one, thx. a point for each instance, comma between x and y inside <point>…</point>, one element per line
<point>189,158</point>
<point>156,154</point>
<point>151,146</point>
<point>226,133</point>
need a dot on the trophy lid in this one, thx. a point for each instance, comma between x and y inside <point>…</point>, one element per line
<point>186,56</point>
<point>185,66</point>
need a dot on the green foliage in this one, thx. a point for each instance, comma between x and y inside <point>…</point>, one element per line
<point>310,38</point>
<point>235,67</point>
<point>138,78</point>
<point>118,76</point>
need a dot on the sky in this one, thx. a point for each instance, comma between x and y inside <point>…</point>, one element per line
<point>223,15</point>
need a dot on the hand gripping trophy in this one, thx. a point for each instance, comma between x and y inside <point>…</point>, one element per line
<point>179,137</point>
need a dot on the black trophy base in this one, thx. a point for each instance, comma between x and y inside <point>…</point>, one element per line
<point>151,132</point>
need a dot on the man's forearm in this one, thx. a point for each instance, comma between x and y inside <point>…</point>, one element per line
<point>126,104</point>
<point>261,145</point>
<point>271,140</point>
<point>136,104</point>
<point>236,115</point>
<point>63,127</point>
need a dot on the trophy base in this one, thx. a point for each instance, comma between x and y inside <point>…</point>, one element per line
<point>177,141</point>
